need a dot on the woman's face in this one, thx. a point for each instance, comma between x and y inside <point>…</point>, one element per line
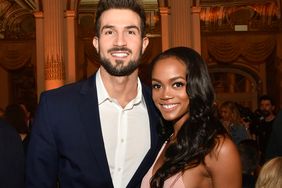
<point>225,113</point>
<point>169,89</point>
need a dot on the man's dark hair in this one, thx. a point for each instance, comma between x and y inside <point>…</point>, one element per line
<point>266,98</point>
<point>134,5</point>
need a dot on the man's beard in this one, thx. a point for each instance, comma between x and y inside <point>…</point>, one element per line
<point>119,69</point>
<point>265,113</point>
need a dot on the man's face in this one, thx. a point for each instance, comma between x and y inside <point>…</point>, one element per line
<point>266,107</point>
<point>120,44</point>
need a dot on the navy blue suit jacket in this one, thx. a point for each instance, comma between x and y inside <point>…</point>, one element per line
<point>66,143</point>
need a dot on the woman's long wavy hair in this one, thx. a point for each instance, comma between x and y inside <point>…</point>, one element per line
<point>199,135</point>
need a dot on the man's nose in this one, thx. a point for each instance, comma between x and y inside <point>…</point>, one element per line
<point>120,39</point>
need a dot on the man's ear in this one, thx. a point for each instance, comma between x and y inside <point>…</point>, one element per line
<point>145,44</point>
<point>96,43</point>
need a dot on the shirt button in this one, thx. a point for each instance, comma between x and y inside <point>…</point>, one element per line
<point>122,140</point>
<point>119,169</point>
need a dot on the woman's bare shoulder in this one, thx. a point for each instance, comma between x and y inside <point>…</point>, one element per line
<point>224,164</point>
<point>222,168</point>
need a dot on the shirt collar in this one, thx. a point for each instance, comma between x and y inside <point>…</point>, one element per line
<point>103,95</point>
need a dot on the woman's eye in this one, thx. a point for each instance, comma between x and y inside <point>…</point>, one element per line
<point>156,86</point>
<point>178,84</point>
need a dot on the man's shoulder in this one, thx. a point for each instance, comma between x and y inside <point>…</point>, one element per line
<point>278,120</point>
<point>6,128</point>
<point>69,89</point>
<point>7,132</point>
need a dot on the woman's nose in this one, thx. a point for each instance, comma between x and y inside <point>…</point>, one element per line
<point>166,94</point>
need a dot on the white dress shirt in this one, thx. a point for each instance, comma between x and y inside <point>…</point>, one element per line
<point>126,133</point>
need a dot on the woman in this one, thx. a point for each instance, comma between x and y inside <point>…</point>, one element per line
<point>198,153</point>
<point>231,120</point>
<point>270,175</point>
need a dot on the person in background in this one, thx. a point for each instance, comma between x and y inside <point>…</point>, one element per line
<point>17,117</point>
<point>266,109</point>
<point>250,158</point>
<point>231,120</point>
<point>103,131</point>
<point>28,115</point>
<point>270,175</point>
<point>199,152</point>
<point>11,157</point>
<point>274,147</point>
<point>248,120</point>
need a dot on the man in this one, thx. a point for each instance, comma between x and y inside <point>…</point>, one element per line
<point>84,138</point>
<point>266,109</point>
<point>11,157</point>
<point>274,147</point>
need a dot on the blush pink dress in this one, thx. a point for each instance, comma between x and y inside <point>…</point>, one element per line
<point>172,182</point>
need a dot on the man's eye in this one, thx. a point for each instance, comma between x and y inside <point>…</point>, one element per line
<point>131,32</point>
<point>108,32</point>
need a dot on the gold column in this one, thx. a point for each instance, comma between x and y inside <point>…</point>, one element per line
<point>248,86</point>
<point>196,28</point>
<point>40,78</point>
<point>53,43</point>
<point>279,64</point>
<point>164,12</point>
<point>70,46</point>
<point>181,23</point>
<point>231,80</point>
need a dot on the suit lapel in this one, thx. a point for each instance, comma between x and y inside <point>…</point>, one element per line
<point>89,112</point>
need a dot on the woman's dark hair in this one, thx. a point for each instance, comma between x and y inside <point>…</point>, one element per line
<point>199,135</point>
<point>134,5</point>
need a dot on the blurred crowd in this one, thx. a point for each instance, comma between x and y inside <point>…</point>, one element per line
<point>253,133</point>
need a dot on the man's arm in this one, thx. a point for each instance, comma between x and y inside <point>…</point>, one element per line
<point>42,155</point>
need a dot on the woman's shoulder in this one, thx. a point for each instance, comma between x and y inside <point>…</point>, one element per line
<point>224,163</point>
<point>224,147</point>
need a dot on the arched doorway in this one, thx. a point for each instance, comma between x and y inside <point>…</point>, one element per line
<point>237,84</point>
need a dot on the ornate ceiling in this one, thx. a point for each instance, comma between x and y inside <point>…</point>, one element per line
<point>17,20</point>
<point>16,16</point>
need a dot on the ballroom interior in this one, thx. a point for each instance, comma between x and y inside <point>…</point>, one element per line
<point>45,44</point>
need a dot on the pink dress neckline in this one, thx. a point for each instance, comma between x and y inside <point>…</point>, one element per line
<point>173,182</point>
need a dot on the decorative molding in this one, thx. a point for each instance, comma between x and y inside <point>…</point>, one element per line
<point>229,50</point>
<point>15,55</point>
<point>54,68</point>
<point>17,21</point>
<point>257,15</point>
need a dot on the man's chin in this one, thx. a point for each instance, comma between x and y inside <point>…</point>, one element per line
<point>119,69</point>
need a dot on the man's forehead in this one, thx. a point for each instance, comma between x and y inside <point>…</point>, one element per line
<point>120,17</point>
